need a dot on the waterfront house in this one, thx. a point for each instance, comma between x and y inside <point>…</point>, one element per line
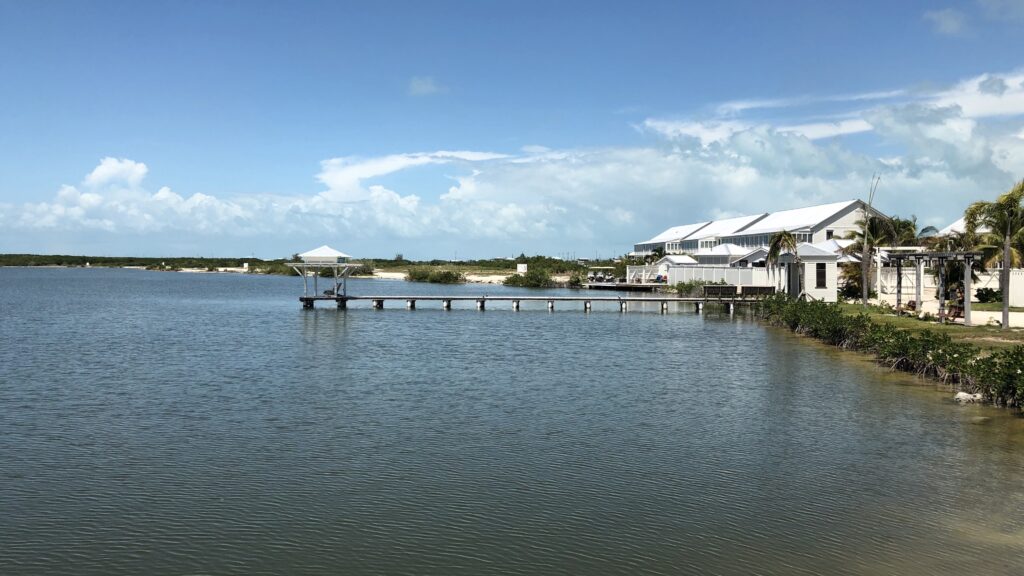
<point>812,224</point>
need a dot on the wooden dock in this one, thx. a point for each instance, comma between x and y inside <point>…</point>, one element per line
<point>623,286</point>
<point>377,302</point>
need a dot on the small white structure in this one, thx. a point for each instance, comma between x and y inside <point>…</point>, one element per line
<point>651,272</point>
<point>817,275</point>
<point>314,261</point>
<point>324,255</point>
<point>729,255</point>
<point>720,255</point>
<point>522,268</point>
<point>737,276</point>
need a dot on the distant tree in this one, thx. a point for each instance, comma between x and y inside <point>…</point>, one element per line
<point>904,232</point>
<point>1004,220</point>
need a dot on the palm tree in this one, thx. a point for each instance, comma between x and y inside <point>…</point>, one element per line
<point>904,232</point>
<point>780,243</point>
<point>873,231</point>
<point>1004,219</point>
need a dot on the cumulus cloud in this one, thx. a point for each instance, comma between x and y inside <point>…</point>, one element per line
<point>943,150</point>
<point>986,95</point>
<point>117,171</point>
<point>947,22</point>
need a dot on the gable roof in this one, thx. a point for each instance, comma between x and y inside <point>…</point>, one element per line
<point>796,219</point>
<point>958,226</point>
<point>677,260</point>
<point>726,227</point>
<point>806,250</point>
<point>833,245</point>
<point>723,250</point>
<point>675,233</point>
<point>324,251</point>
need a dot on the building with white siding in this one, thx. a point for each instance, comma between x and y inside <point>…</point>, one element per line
<point>812,224</point>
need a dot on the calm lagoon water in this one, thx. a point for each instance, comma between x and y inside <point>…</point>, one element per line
<point>205,424</point>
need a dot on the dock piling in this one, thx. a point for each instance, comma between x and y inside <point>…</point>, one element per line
<point>410,304</point>
<point>515,305</point>
<point>551,305</point>
<point>481,304</point>
<point>378,304</point>
<point>586,305</point>
<point>446,304</point>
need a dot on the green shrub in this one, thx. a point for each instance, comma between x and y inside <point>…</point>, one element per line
<point>577,279</point>
<point>999,376</point>
<point>364,269</point>
<point>534,278</point>
<point>424,274</point>
<point>985,295</point>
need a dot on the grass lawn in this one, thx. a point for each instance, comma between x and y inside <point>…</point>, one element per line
<point>993,307</point>
<point>985,337</point>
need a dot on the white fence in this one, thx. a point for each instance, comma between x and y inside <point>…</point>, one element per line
<point>644,274</point>
<point>713,274</point>
<point>886,281</point>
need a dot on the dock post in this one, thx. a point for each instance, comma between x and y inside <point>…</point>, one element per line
<point>307,304</point>
<point>481,304</point>
<point>378,304</point>
<point>342,303</point>
<point>622,306</point>
<point>586,305</point>
<point>664,306</point>
<point>551,305</point>
<point>731,307</point>
<point>698,307</point>
<point>446,304</point>
<point>410,304</point>
<point>515,305</point>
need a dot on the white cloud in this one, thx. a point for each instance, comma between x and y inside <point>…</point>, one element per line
<point>735,107</point>
<point>819,130</point>
<point>943,150</point>
<point>424,86</point>
<point>117,171</point>
<point>986,95</point>
<point>708,132</point>
<point>948,21</point>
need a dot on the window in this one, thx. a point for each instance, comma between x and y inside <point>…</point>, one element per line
<point>828,234</point>
<point>819,270</point>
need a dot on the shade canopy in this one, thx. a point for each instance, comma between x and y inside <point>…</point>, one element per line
<point>323,254</point>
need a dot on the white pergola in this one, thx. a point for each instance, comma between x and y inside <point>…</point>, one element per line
<point>316,260</point>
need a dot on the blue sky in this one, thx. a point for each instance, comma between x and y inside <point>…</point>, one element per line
<point>488,128</point>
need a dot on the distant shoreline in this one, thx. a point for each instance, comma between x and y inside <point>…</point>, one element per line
<point>378,273</point>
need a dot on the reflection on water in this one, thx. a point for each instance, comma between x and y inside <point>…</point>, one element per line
<point>177,423</point>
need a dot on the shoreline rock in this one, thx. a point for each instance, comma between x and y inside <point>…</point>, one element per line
<point>967,398</point>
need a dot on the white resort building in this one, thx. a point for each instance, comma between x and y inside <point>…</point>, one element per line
<point>734,250</point>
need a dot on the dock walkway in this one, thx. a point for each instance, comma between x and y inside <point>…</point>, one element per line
<point>377,302</point>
